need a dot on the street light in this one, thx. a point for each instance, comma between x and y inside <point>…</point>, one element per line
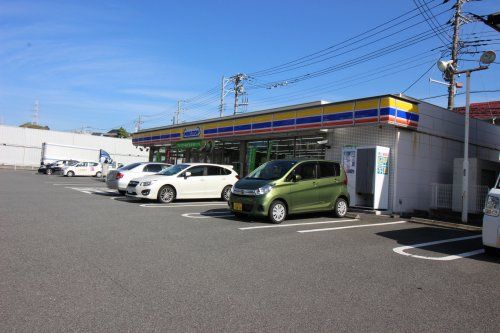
<point>448,70</point>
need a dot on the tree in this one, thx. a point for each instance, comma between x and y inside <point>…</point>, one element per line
<point>122,133</point>
<point>35,126</point>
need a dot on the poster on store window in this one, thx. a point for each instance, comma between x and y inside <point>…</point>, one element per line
<point>349,159</point>
<point>252,152</point>
<point>382,161</point>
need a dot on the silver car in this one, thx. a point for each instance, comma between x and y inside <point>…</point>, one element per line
<point>119,179</point>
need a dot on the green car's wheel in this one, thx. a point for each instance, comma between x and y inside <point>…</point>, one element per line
<point>340,208</point>
<point>277,211</point>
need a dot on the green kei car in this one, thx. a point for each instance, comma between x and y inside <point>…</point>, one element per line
<point>282,187</point>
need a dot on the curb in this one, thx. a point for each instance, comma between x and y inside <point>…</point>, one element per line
<point>352,215</point>
<point>445,224</point>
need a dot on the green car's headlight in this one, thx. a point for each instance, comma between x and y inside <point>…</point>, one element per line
<point>263,190</point>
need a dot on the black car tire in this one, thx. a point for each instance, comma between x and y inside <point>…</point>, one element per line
<point>340,209</point>
<point>277,212</point>
<point>98,174</point>
<point>122,192</point>
<point>163,197</point>
<point>226,193</point>
<point>49,171</point>
<point>70,174</point>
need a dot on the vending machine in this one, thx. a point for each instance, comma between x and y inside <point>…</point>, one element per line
<point>367,169</point>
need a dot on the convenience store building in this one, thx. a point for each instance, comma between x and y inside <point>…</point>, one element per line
<point>392,146</point>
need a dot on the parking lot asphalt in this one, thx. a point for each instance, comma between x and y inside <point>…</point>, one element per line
<point>77,257</point>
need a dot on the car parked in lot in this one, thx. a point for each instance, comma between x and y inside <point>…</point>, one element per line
<point>185,181</point>
<point>279,188</point>
<point>53,167</point>
<point>119,179</point>
<point>83,169</point>
<point>491,220</point>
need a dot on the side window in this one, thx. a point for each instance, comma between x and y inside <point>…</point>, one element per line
<point>163,167</point>
<point>153,168</point>
<point>328,169</point>
<point>94,164</point>
<point>197,171</point>
<point>306,170</point>
<point>214,171</point>
<point>225,171</point>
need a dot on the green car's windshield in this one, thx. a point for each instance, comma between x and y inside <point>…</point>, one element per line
<point>271,170</point>
<point>174,169</point>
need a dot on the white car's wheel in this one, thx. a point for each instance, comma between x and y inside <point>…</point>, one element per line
<point>226,193</point>
<point>166,194</point>
<point>70,174</point>
<point>98,174</point>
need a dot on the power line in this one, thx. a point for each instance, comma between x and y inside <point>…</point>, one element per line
<point>420,77</point>
<point>461,93</point>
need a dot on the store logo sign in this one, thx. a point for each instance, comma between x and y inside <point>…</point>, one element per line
<point>192,132</point>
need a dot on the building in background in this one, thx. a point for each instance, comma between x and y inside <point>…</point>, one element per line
<point>22,147</point>
<point>486,111</point>
<point>393,147</point>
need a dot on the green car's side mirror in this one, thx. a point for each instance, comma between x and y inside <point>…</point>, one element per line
<point>297,178</point>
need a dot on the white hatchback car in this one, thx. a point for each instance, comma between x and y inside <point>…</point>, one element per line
<point>83,169</point>
<point>491,220</point>
<point>119,179</point>
<point>185,181</point>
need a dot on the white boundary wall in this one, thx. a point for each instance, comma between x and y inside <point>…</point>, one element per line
<point>21,146</point>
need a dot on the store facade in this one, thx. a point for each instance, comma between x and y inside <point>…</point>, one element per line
<point>374,138</point>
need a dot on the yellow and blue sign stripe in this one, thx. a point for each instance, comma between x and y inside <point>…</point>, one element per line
<point>388,109</point>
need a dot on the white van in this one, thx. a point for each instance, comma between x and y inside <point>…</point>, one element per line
<point>491,220</point>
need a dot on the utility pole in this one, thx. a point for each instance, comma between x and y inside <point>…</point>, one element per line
<point>178,112</point>
<point>457,21</point>
<point>222,95</point>
<point>138,124</point>
<point>36,111</point>
<point>238,90</point>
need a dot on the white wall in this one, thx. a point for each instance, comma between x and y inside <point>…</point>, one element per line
<point>22,146</point>
<point>426,156</point>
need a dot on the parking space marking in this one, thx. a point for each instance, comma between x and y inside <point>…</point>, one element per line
<point>295,224</point>
<point>207,215</point>
<point>92,190</point>
<point>401,249</point>
<point>77,184</point>
<point>177,205</point>
<point>352,226</point>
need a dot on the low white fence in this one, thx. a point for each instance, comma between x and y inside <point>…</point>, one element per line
<point>442,196</point>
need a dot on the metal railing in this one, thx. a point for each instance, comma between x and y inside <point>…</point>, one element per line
<point>442,196</point>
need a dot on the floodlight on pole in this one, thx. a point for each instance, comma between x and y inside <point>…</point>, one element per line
<point>447,67</point>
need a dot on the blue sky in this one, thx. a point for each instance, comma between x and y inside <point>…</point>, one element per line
<point>101,64</point>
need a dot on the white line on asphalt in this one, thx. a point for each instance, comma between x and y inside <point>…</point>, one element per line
<point>206,215</point>
<point>401,249</point>
<point>295,224</point>
<point>183,205</point>
<point>352,226</point>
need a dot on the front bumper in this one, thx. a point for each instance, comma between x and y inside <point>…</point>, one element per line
<point>140,192</point>
<point>491,231</point>
<point>250,205</point>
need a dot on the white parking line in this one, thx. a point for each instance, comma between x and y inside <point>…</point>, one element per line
<point>295,224</point>
<point>206,215</point>
<point>352,226</point>
<point>91,190</point>
<point>76,184</point>
<point>184,205</point>
<point>401,249</point>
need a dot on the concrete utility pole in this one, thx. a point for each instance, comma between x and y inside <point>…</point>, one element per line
<point>457,21</point>
<point>178,112</point>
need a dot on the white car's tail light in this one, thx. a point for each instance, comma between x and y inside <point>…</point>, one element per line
<point>492,206</point>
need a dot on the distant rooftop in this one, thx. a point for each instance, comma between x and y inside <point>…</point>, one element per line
<point>489,111</point>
